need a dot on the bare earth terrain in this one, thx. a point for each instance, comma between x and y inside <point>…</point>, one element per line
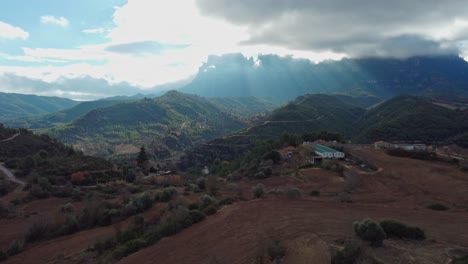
<point>401,189</point>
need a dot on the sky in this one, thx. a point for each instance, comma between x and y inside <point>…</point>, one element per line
<point>90,49</point>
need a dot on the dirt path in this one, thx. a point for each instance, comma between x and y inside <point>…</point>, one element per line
<point>8,139</point>
<point>10,175</point>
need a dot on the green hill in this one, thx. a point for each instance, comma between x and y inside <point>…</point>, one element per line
<point>243,106</point>
<point>411,118</point>
<point>35,156</point>
<point>166,124</point>
<point>19,105</point>
<point>61,117</point>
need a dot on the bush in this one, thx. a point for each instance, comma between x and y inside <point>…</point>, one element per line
<point>3,255</point>
<point>315,193</point>
<point>196,216</point>
<point>206,200</point>
<point>201,183</point>
<point>67,208</point>
<point>224,201</point>
<point>258,191</point>
<point>101,246</point>
<point>37,231</point>
<point>370,231</point>
<point>129,247</point>
<point>294,193</point>
<point>193,206</point>
<point>166,194</point>
<point>348,255</point>
<point>394,228</point>
<point>437,207</point>
<point>70,226</point>
<point>210,210</point>
<point>14,248</point>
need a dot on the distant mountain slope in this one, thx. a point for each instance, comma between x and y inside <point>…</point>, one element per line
<point>243,106</point>
<point>19,105</point>
<point>165,124</point>
<point>64,116</point>
<point>411,118</point>
<point>284,78</point>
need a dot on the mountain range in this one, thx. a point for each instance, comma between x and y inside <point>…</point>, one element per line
<point>284,78</point>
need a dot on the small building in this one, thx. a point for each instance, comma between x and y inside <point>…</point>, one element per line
<point>326,152</point>
<point>382,145</point>
<point>411,147</point>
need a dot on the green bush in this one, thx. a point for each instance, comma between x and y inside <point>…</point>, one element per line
<point>226,200</point>
<point>348,255</point>
<point>315,193</point>
<point>196,216</point>
<point>394,228</point>
<point>370,231</point>
<point>293,193</point>
<point>100,246</point>
<point>193,206</point>
<point>14,248</point>
<point>37,231</point>
<point>70,226</point>
<point>210,210</point>
<point>165,195</point>
<point>258,191</point>
<point>201,183</point>
<point>3,255</point>
<point>206,200</point>
<point>437,207</point>
<point>129,247</point>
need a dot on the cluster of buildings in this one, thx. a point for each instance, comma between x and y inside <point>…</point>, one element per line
<point>402,146</point>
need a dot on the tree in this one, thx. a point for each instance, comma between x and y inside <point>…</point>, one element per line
<point>142,158</point>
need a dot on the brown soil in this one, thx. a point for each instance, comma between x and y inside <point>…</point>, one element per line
<point>400,190</point>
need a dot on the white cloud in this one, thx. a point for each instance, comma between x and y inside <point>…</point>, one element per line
<point>8,31</point>
<point>61,21</point>
<point>94,31</point>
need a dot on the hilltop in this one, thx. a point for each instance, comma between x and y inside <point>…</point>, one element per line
<point>165,125</point>
<point>19,105</point>
<point>61,117</point>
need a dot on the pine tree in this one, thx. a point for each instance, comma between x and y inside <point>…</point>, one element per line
<point>142,158</point>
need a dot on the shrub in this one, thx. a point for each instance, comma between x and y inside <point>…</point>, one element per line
<point>370,231</point>
<point>193,206</point>
<point>129,247</point>
<point>201,183</point>
<point>206,200</point>
<point>226,200</point>
<point>394,228</point>
<point>348,255</point>
<point>70,226</point>
<point>174,221</point>
<point>437,207</point>
<point>100,246</point>
<point>196,216</point>
<point>166,194</point>
<point>315,193</point>
<point>14,248</point>
<point>210,210</point>
<point>67,208</point>
<point>3,255</point>
<point>37,231</point>
<point>294,193</point>
<point>276,250</point>
<point>258,191</point>
<point>260,175</point>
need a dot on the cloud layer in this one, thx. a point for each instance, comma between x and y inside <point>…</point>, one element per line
<point>397,28</point>
<point>8,31</point>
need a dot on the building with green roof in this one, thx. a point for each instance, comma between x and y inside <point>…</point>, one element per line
<point>326,152</point>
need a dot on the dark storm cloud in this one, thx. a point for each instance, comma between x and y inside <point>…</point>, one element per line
<point>396,28</point>
<point>144,47</point>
